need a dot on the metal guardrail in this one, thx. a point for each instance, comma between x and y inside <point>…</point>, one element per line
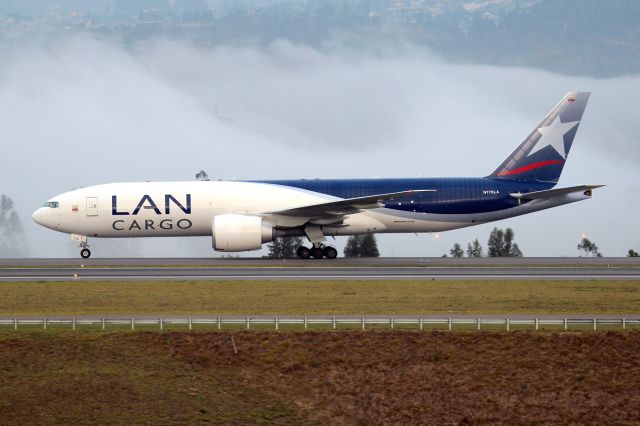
<point>420,323</point>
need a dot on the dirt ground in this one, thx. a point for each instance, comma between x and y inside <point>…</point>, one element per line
<point>345,377</point>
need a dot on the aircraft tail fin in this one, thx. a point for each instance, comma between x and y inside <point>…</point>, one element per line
<point>542,155</point>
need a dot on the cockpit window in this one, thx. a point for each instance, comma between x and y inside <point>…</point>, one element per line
<point>51,204</point>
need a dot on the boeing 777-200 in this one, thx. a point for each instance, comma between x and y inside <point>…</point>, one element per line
<point>243,215</point>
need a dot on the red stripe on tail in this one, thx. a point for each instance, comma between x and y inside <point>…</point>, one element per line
<point>529,167</point>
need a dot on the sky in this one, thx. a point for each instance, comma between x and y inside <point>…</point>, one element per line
<point>84,111</point>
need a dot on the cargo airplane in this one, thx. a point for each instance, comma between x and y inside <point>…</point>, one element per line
<point>243,215</point>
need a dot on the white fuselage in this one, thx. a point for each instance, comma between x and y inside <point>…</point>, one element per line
<point>90,211</point>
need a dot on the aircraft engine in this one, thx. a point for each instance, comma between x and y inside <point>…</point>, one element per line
<point>237,232</point>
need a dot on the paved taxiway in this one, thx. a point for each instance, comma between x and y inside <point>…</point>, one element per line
<point>342,269</point>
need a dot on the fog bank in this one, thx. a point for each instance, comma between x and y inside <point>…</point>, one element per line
<point>84,111</point>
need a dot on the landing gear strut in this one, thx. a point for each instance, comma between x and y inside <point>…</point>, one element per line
<point>317,252</point>
<point>85,253</point>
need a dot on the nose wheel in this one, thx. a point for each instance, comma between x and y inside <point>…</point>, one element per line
<point>85,253</point>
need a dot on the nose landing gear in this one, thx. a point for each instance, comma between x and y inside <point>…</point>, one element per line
<point>85,253</point>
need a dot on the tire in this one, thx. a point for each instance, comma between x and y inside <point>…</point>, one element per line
<point>303,252</point>
<point>317,252</point>
<point>85,253</point>
<point>330,253</point>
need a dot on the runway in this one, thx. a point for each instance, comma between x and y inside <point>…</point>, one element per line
<point>370,261</point>
<point>342,269</point>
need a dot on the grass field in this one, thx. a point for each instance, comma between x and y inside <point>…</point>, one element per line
<point>319,297</point>
<point>319,378</point>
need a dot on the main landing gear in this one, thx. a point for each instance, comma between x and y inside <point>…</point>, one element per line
<point>317,252</point>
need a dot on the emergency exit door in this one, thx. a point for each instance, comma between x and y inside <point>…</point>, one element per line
<point>92,206</point>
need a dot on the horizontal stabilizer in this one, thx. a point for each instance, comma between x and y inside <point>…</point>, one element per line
<point>554,192</point>
<point>346,206</point>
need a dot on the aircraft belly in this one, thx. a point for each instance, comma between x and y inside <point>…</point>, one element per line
<point>408,222</point>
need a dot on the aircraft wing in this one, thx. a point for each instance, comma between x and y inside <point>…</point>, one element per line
<point>554,192</point>
<point>346,206</point>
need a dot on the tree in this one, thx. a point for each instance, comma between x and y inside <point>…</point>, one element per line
<point>361,246</point>
<point>369,246</point>
<point>202,175</point>
<point>515,251</point>
<point>584,245</point>
<point>284,247</point>
<point>632,253</point>
<point>352,248</point>
<point>474,249</point>
<point>456,251</point>
<point>510,248</point>
<point>12,239</point>
<point>589,247</point>
<point>501,244</point>
<point>495,245</point>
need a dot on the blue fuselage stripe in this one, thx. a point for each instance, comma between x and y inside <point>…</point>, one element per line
<point>451,196</point>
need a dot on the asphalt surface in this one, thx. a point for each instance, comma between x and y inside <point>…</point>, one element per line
<point>340,269</point>
<point>379,261</point>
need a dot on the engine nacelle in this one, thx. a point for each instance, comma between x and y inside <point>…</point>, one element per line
<point>237,232</point>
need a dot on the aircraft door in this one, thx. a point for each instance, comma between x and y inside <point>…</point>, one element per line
<point>92,206</point>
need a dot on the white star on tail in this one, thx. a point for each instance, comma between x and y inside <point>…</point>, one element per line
<point>553,135</point>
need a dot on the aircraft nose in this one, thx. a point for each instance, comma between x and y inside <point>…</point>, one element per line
<point>45,217</point>
<point>38,216</point>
